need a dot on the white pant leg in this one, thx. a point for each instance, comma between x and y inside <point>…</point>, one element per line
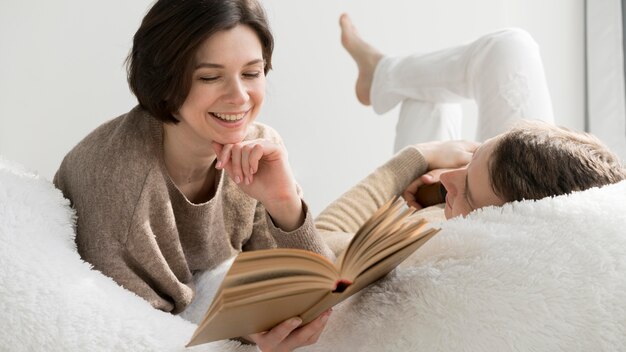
<point>501,71</point>
<point>421,121</point>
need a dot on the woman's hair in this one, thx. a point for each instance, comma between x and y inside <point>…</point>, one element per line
<point>536,160</point>
<point>161,62</point>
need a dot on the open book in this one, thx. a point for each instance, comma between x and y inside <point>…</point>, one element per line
<point>266,287</point>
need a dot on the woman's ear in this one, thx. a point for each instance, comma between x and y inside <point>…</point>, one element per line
<point>176,116</point>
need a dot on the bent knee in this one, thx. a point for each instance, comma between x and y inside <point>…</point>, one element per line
<point>511,41</point>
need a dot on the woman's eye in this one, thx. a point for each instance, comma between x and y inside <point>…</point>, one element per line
<point>252,74</point>
<point>209,79</point>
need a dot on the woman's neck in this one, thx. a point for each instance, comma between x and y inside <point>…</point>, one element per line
<point>188,161</point>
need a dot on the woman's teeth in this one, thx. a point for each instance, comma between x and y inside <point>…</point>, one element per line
<point>229,117</point>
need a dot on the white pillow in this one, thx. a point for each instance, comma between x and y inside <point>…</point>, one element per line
<point>50,300</point>
<point>546,275</point>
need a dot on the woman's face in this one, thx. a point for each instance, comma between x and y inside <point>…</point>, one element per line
<point>227,89</point>
<point>469,187</point>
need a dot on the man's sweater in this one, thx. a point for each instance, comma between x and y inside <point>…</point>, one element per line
<point>355,206</point>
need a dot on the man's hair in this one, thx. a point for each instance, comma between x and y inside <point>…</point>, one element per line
<point>536,160</point>
<point>161,62</point>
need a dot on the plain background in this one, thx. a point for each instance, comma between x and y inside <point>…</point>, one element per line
<point>62,74</point>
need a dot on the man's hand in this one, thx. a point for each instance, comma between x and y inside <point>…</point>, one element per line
<point>441,157</point>
<point>447,155</point>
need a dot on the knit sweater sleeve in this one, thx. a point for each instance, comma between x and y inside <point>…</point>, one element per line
<point>304,237</point>
<point>267,235</point>
<point>354,207</point>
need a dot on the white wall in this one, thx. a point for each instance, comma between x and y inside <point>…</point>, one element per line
<point>62,74</point>
<point>605,74</point>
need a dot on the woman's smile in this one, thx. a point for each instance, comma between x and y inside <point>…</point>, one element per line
<point>229,117</point>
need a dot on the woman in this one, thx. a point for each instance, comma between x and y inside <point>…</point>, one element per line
<point>187,179</point>
<point>531,161</point>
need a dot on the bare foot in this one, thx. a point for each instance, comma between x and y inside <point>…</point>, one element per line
<point>365,56</point>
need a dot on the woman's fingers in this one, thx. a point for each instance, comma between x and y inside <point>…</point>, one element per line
<point>223,157</point>
<point>235,160</point>
<point>255,157</point>
<point>267,341</point>
<point>250,158</point>
<point>241,160</point>
<point>217,148</point>
<point>245,163</point>
<point>310,333</point>
<point>230,159</point>
<point>289,335</point>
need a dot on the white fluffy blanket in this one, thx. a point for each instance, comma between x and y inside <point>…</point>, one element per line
<point>530,276</point>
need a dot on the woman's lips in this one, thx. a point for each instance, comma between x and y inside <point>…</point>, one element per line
<point>230,120</point>
<point>230,117</point>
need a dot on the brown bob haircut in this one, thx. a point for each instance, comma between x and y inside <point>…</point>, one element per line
<point>161,62</point>
<point>536,160</point>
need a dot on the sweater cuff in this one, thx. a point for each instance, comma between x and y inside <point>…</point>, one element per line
<point>304,237</point>
<point>408,164</point>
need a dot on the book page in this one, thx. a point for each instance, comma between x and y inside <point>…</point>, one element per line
<point>375,272</point>
<point>382,249</point>
<point>269,289</point>
<point>389,226</point>
<point>363,232</point>
<point>388,263</point>
<point>279,262</point>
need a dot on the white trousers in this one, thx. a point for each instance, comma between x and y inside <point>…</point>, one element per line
<point>502,72</point>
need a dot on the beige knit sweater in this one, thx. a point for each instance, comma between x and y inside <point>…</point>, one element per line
<point>136,227</point>
<point>342,218</point>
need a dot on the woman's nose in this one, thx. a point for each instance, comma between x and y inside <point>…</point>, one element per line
<point>236,92</point>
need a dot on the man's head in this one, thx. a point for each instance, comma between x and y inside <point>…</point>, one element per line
<point>536,160</point>
<point>533,160</point>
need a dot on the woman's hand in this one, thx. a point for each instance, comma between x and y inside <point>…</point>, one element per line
<point>260,168</point>
<point>289,335</point>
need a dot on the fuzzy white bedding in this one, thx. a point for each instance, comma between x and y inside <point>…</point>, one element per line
<point>530,276</point>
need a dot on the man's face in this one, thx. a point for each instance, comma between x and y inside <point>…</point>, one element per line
<point>469,187</point>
